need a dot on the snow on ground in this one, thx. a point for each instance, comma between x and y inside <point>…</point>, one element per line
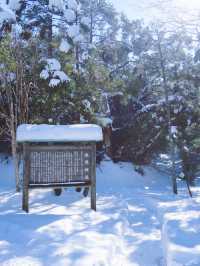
<point>138,222</point>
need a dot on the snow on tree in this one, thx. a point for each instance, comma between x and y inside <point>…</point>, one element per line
<point>8,11</point>
<point>6,14</point>
<point>64,46</point>
<point>72,4</point>
<point>53,71</point>
<point>70,15</point>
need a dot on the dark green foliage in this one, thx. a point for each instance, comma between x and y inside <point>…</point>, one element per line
<point>137,136</point>
<point>123,59</point>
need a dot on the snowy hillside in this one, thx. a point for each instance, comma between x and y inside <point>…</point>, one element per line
<point>138,222</point>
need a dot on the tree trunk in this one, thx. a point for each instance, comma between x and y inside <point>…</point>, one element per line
<point>14,146</point>
<point>77,49</point>
<point>50,37</point>
<point>91,23</point>
<point>172,144</point>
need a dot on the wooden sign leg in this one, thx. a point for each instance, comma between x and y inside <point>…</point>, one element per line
<point>25,197</point>
<point>93,180</point>
<point>25,206</point>
<point>93,197</point>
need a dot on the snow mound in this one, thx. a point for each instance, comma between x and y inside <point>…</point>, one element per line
<point>180,234</point>
<point>136,215</point>
<point>59,133</point>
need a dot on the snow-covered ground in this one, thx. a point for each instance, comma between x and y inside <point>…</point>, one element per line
<point>138,222</point>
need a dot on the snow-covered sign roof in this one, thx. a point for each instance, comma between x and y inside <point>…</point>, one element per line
<point>59,133</point>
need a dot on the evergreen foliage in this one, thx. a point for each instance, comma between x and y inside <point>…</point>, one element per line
<point>76,51</point>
